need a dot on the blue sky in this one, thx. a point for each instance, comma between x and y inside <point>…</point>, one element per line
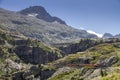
<point>98,15</point>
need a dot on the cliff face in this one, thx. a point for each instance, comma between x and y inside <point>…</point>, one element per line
<point>36,55</point>
<point>85,44</point>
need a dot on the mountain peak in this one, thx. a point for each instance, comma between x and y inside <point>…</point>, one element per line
<point>40,13</point>
<point>107,35</point>
<point>33,9</point>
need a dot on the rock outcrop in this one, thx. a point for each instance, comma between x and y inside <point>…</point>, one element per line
<point>36,55</point>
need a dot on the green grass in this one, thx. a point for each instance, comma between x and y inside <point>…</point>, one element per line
<point>113,76</point>
<point>65,75</point>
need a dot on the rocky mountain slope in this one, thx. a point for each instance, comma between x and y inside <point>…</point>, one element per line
<point>101,62</point>
<point>22,58</point>
<point>40,13</point>
<point>47,32</point>
<point>19,53</point>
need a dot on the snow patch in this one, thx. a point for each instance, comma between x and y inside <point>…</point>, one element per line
<point>92,32</point>
<point>55,22</point>
<point>32,15</point>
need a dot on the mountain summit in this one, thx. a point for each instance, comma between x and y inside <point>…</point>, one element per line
<point>40,13</point>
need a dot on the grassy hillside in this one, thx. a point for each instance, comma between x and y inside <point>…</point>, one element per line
<point>101,62</point>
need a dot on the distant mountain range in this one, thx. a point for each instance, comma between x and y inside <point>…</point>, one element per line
<point>108,35</point>
<point>37,23</point>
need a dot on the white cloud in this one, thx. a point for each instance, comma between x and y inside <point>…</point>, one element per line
<point>82,28</point>
<point>92,32</point>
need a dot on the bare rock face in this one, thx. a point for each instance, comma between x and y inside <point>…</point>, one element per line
<point>109,62</point>
<point>61,70</point>
<point>13,64</point>
<point>95,73</point>
<point>35,55</point>
<point>79,47</point>
<point>34,73</point>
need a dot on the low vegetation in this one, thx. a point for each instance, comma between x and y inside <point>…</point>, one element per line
<point>106,56</point>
